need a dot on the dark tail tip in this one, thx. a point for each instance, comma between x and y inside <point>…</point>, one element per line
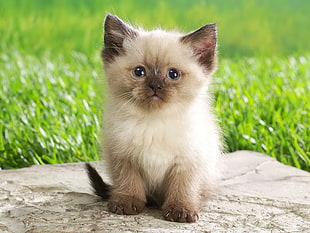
<point>100,188</point>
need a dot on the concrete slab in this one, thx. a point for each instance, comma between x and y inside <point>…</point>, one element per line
<point>257,194</point>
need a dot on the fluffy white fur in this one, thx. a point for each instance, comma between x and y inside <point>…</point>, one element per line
<point>182,131</point>
<point>160,138</point>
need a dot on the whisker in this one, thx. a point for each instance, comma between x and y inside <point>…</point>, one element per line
<point>128,102</point>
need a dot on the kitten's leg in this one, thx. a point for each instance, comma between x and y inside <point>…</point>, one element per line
<point>182,198</point>
<point>128,195</point>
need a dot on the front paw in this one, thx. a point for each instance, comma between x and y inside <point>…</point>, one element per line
<point>178,213</point>
<point>122,204</point>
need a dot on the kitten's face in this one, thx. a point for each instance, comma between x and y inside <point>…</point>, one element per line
<point>151,70</point>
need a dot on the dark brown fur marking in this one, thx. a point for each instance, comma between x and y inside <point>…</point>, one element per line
<point>115,33</point>
<point>100,188</point>
<point>203,42</point>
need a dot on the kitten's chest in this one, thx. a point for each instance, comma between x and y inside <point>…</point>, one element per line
<point>151,136</point>
<point>153,145</point>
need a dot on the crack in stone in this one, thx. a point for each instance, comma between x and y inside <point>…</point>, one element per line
<point>252,170</point>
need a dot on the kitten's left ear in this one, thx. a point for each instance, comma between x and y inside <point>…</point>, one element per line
<point>115,32</point>
<point>203,42</point>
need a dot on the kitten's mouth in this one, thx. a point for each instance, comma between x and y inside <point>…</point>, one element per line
<point>155,97</point>
<point>153,101</point>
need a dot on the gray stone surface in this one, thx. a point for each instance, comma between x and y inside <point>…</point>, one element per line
<point>256,194</point>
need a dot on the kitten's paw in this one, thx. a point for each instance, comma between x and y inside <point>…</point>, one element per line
<point>177,213</point>
<point>122,204</point>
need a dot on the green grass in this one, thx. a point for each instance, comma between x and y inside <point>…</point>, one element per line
<point>51,78</point>
<point>264,106</point>
<point>50,109</point>
<point>246,27</point>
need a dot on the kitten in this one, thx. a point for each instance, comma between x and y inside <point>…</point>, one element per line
<point>160,140</point>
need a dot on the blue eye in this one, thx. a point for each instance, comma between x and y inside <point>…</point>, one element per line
<point>173,74</point>
<point>139,72</point>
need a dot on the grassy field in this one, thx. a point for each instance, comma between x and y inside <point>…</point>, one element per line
<point>246,27</point>
<point>51,78</point>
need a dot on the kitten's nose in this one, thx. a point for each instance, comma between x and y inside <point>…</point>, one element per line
<point>155,86</point>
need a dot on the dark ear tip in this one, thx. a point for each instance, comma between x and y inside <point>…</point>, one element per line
<point>110,17</point>
<point>211,27</point>
<point>112,21</point>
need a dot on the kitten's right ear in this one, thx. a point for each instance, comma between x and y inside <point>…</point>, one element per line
<point>203,42</point>
<point>115,32</point>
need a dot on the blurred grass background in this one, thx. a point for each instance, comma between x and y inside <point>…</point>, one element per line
<point>251,28</point>
<point>50,74</point>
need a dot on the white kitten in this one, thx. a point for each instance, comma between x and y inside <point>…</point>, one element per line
<point>160,139</point>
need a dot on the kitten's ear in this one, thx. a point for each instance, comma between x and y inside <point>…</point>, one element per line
<point>203,42</point>
<point>115,32</point>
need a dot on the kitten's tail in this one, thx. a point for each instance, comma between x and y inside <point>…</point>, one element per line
<point>100,188</point>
